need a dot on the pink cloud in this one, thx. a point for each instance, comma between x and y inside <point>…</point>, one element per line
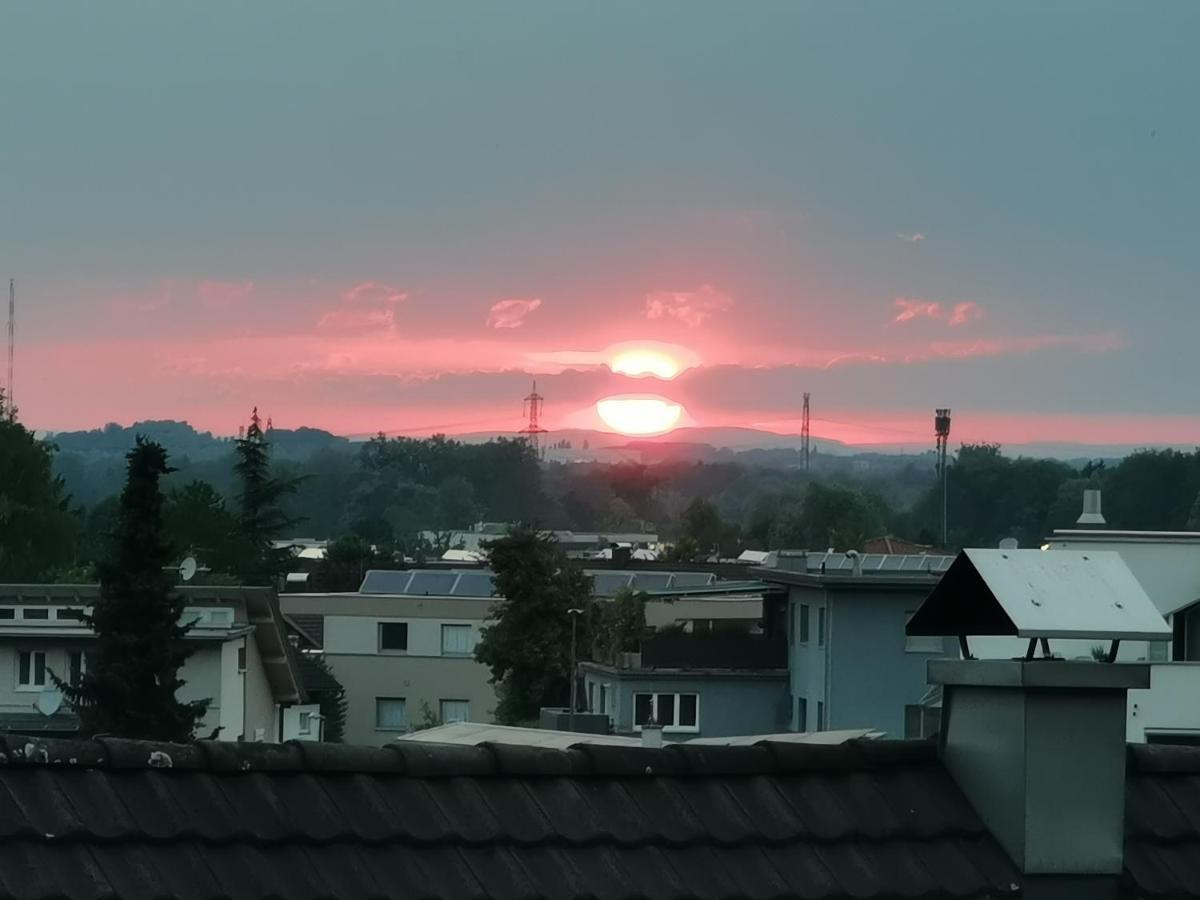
<point>910,309</point>
<point>511,313</point>
<point>914,237</point>
<point>691,308</point>
<point>223,293</point>
<point>375,292</point>
<point>964,313</point>
<point>1095,342</point>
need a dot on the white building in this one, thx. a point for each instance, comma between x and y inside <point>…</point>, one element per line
<point>242,662</point>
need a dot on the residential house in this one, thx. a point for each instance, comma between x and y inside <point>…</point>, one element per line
<point>850,664</point>
<point>403,645</point>
<point>241,663</point>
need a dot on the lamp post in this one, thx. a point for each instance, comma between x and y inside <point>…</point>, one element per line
<point>574,614</point>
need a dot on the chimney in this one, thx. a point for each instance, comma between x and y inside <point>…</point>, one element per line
<point>1091,515</point>
<point>652,736</point>
<point>1038,747</point>
<point>855,562</point>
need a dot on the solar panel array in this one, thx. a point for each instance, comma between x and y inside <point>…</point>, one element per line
<point>480,582</point>
<point>910,563</point>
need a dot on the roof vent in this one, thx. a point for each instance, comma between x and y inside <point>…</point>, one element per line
<point>1091,514</point>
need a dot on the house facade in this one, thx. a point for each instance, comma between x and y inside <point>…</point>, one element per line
<point>241,662</point>
<point>849,662</point>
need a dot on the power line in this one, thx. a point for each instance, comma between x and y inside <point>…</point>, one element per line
<point>533,430</point>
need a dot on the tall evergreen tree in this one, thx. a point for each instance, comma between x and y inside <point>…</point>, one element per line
<point>132,678</point>
<point>261,518</point>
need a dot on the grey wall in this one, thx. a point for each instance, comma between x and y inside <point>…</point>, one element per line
<point>733,704</point>
<point>869,677</point>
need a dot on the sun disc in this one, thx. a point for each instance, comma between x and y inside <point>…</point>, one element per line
<point>639,415</point>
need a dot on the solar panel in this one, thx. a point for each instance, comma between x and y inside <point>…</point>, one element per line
<point>432,583</point>
<point>474,584</point>
<point>608,583</point>
<point>384,581</point>
<point>692,579</point>
<point>652,581</point>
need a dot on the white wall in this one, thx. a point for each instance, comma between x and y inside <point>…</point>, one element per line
<point>360,634</point>
<point>261,710</point>
<point>1171,704</point>
<point>1168,569</point>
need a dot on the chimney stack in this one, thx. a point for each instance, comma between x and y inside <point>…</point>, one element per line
<point>1091,516</point>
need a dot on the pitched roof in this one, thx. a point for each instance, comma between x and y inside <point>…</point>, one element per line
<point>1162,822</point>
<point>83,819</point>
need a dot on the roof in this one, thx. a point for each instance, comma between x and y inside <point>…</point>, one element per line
<point>606,582</point>
<point>1162,822</point>
<point>85,819</point>
<point>474,734</point>
<point>316,679</point>
<point>1035,593</point>
<point>310,627</point>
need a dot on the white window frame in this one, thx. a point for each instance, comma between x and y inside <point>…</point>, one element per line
<point>673,728</point>
<point>456,628</point>
<point>82,663</point>
<point>921,643</point>
<point>304,722</point>
<point>32,685</point>
<point>391,728</point>
<point>444,719</point>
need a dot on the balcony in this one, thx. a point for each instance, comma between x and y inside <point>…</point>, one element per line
<point>713,650</point>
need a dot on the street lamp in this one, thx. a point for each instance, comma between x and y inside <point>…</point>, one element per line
<point>574,614</point>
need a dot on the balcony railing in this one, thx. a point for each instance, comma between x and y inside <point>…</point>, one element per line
<point>713,650</point>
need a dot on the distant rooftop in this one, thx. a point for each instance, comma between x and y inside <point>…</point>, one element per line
<point>479,583</point>
<point>474,734</point>
<point>846,563</point>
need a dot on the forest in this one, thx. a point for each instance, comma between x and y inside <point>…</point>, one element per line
<point>58,496</point>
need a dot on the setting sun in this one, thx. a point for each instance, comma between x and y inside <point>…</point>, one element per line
<point>639,415</point>
<point>645,362</point>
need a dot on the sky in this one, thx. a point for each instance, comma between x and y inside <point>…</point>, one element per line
<point>394,216</point>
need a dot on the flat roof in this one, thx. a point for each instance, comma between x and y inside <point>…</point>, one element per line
<point>475,733</point>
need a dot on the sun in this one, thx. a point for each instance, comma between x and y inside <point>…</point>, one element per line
<point>644,361</point>
<point>639,415</point>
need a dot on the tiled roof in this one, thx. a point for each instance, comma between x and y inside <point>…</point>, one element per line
<point>310,627</point>
<point>1162,822</point>
<point>91,819</point>
<point>317,680</point>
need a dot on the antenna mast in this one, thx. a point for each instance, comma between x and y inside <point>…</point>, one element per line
<point>12,315</point>
<point>941,428</point>
<point>533,430</point>
<point>804,433</point>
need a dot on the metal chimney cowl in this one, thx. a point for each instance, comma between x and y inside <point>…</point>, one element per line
<point>1091,514</point>
<point>1038,747</point>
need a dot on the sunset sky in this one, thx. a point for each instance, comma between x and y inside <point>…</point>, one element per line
<point>391,216</point>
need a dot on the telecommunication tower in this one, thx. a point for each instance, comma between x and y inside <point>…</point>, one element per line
<point>533,411</point>
<point>804,433</point>
<point>12,316</point>
<point>941,428</point>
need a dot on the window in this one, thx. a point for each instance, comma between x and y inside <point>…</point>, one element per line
<point>674,712</point>
<point>914,644</point>
<point>76,666</point>
<point>242,657</point>
<point>921,721</point>
<point>604,702</point>
<point>391,714</point>
<point>804,623</point>
<point>393,636</point>
<point>7,612</point>
<point>31,670</point>
<point>820,715</point>
<point>821,627</point>
<point>591,696</point>
<point>454,711</point>
<point>70,613</point>
<point>36,612</point>
<point>456,640</point>
<point>305,723</point>
<point>801,714</point>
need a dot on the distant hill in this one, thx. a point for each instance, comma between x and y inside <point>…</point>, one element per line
<point>181,439</point>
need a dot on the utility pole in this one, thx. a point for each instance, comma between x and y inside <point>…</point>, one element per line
<point>941,429</point>
<point>574,614</point>
<point>533,430</point>
<point>804,432</point>
<point>12,316</point>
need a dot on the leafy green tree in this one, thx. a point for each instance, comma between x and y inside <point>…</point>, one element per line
<point>37,529</point>
<point>332,704</point>
<point>132,678</point>
<point>528,646</point>
<point>617,625</point>
<point>702,525</point>
<point>829,516</point>
<point>261,517</point>
<point>455,506</point>
<point>1152,489</point>
<point>199,523</point>
<point>346,561</point>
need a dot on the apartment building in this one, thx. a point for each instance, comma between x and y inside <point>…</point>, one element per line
<point>242,662</point>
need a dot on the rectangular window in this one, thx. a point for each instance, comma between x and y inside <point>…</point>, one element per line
<point>7,612</point>
<point>804,623</point>
<point>35,612</point>
<point>306,723</point>
<point>456,640</point>
<point>76,666</point>
<point>70,613</point>
<point>591,696</point>
<point>393,636</point>
<point>913,644</point>
<point>604,700</point>
<point>31,669</point>
<point>821,627</point>
<point>391,714</point>
<point>242,657</point>
<point>801,714</point>
<point>820,715</point>
<point>454,711</point>
<point>674,712</point>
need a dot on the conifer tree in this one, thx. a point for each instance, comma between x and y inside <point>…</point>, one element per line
<point>261,518</point>
<point>132,680</point>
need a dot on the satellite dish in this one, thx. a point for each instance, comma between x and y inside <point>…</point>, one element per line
<point>48,702</point>
<point>1009,544</point>
<point>187,568</point>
